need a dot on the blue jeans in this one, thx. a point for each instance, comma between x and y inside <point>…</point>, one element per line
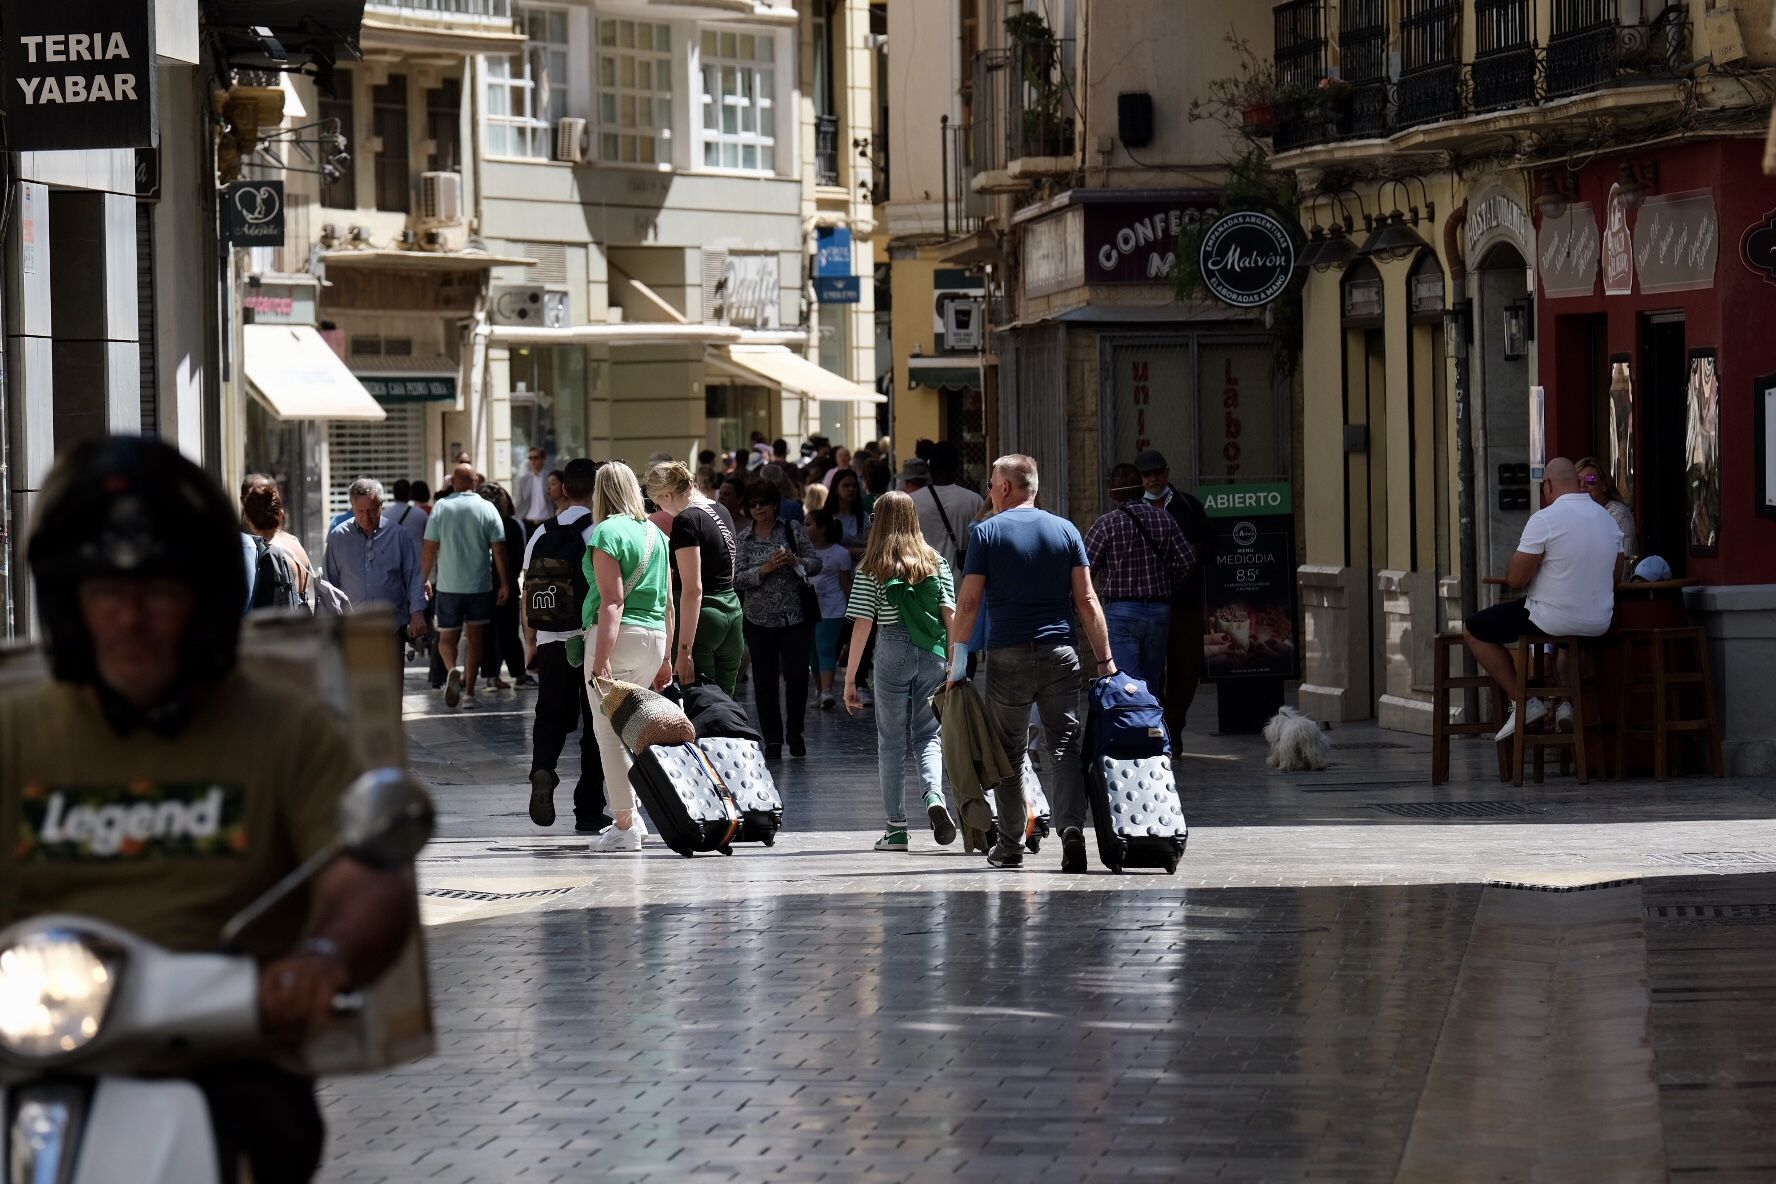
<point>906,678</point>
<point>1046,676</point>
<point>1138,633</point>
<point>826,642</point>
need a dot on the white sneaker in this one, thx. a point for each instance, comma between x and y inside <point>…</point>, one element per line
<point>1535,710</point>
<point>470,703</point>
<point>827,700</point>
<point>610,839</point>
<point>1563,717</point>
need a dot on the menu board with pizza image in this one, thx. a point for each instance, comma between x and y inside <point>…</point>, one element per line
<point>1250,603</point>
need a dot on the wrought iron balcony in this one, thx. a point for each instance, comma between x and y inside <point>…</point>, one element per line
<point>1430,62</point>
<point>826,149</point>
<point>963,207</point>
<point>1504,69</point>
<point>1363,64</point>
<point>1038,102</point>
<point>1590,46</point>
<point>497,11</point>
<point>987,152</point>
<point>1300,29</point>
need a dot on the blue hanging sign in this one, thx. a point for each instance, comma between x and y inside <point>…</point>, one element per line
<point>837,289</point>
<point>832,251</point>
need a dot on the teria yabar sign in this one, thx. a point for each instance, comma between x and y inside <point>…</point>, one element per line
<point>1247,258</point>
<point>79,74</point>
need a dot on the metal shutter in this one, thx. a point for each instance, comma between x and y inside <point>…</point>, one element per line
<point>145,320</point>
<point>388,451</point>
<point>1033,407</point>
<point>551,260</point>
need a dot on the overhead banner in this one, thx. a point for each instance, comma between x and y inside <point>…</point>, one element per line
<point>79,74</point>
<point>1250,630</point>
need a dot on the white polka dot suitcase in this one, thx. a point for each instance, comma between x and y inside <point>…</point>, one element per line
<point>1137,811</point>
<point>686,799</point>
<point>741,764</point>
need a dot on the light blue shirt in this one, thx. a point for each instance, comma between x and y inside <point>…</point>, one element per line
<point>380,567</point>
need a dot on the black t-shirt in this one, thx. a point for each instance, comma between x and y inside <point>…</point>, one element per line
<point>698,527</point>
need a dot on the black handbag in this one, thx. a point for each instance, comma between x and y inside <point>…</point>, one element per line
<point>810,598</point>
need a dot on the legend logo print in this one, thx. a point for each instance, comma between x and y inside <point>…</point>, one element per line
<point>139,820</point>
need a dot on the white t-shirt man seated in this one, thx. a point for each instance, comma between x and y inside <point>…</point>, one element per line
<point>1567,561</point>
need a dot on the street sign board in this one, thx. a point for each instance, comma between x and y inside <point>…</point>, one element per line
<point>78,74</point>
<point>837,289</point>
<point>253,213</point>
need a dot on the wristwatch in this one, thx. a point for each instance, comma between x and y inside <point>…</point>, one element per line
<point>326,947</point>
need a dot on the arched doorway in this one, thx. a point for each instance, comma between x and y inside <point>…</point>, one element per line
<point>1503,361</point>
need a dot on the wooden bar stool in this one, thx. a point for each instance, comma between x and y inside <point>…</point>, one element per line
<point>1669,666</point>
<point>1445,682</point>
<point>1538,676</point>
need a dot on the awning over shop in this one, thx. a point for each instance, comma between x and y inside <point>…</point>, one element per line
<point>298,376</point>
<point>773,365</point>
<point>958,373</point>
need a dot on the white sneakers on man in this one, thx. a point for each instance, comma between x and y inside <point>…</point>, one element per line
<point>1534,710</point>
<point>611,840</point>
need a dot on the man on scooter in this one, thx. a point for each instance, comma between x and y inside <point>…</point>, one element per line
<point>157,785</point>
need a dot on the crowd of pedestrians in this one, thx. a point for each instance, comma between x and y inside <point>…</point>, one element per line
<point>832,575</point>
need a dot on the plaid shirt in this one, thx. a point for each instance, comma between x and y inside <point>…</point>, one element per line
<point>1126,567</point>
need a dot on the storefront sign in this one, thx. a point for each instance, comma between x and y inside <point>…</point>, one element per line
<point>1567,252</point>
<point>832,251</point>
<point>1362,300</point>
<point>750,291</point>
<point>79,74</point>
<point>1250,582</point>
<point>439,388</point>
<point>1136,241</point>
<point>1247,258</point>
<point>1239,412</point>
<point>1152,392</point>
<point>1500,212</point>
<point>1618,247</point>
<point>1424,292</point>
<point>1677,242</point>
<point>1758,247</point>
<point>148,173</point>
<point>280,304</point>
<point>837,289</point>
<point>1053,258</point>
<point>253,214</point>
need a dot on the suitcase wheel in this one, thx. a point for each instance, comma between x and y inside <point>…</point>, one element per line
<point>1033,844</point>
<point>770,840</point>
<point>1172,866</point>
<point>688,854</point>
<point>725,849</point>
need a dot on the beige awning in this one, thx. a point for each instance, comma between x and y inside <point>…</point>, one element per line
<point>298,376</point>
<point>773,365</point>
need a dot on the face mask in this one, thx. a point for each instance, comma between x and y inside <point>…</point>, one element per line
<point>1155,497</point>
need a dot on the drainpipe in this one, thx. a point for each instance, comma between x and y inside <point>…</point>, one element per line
<point>1464,443</point>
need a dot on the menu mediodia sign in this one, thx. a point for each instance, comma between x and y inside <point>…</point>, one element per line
<point>1247,258</point>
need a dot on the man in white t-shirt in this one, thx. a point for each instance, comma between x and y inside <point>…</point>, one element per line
<point>946,510</point>
<point>1568,561</point>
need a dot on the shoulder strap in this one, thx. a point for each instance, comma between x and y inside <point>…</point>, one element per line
<point>944,518</point>
<point>647,559</point>
<point>1136,519</point>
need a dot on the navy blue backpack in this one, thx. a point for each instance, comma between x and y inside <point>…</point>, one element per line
<point>1123,720</point>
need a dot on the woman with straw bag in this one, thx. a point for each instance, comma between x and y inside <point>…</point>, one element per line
<point>626,613</point>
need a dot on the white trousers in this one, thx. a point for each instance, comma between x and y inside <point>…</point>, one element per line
<point>635,658</point>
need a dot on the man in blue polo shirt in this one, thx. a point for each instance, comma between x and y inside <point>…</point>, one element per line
<point>1030,569</point>
<point>463,527</point>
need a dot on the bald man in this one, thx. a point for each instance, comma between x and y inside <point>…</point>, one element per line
<point>463,528</point>
<point>1567,562</point>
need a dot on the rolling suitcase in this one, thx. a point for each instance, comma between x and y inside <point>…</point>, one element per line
<point>741,764</point>
<point>1137,812</point>
<point>685,797</point>
<point>1041,817</point>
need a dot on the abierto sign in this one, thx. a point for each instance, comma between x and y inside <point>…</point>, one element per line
<point>78,74</point>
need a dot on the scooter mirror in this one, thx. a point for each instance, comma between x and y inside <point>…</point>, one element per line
<point>385,818</point>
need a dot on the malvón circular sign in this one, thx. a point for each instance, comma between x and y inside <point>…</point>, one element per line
<point>1247,258</point>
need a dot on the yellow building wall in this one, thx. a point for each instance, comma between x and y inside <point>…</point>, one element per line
<point>916,411</point>
<point>1322,413</point>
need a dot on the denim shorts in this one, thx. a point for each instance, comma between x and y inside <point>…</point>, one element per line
<point>456,609</point>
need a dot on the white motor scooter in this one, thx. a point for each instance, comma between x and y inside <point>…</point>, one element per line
<point>96,1023</point>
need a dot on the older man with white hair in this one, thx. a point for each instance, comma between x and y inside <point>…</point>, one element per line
<point>374,560</point>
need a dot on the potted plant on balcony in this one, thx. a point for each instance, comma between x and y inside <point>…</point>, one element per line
<point>1045,130</point>
<point>1249,101</point>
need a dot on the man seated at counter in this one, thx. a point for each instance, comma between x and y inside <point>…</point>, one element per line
<point>1567,561</point>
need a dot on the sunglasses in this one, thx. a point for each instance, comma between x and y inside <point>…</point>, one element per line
<point>1590,479</point>
<point>755,504</point>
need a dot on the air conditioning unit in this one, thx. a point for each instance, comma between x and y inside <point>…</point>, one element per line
<point>530,306</point>
<point>440,199</point>
<point>573,143</point>
<point>962,324</point>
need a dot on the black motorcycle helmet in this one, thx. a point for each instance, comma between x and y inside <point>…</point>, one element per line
<point>133,507</point>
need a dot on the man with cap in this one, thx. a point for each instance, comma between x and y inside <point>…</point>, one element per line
<point>1184,647</point>
<point>946,510</point>
<point>1139,560</point>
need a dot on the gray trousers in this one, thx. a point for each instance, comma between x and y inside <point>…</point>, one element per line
<point>1046,676</point>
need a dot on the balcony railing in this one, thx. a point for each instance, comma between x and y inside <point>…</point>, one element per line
<point>1430,62</point>
<point>489,10</point>
<point>963,207</point>
<point>1590,47</point>
<point>1038,100</point>
<point>989,143</point>
<point>826,149</point>
<point>1504,70</point>
<point>1300,29</point>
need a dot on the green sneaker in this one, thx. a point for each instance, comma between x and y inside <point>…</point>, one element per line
<point>943,827</point>
<point>895,839</point>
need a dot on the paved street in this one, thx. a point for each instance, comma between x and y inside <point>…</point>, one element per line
<point>1354,976</point>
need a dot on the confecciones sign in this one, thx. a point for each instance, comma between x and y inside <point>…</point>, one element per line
<point>78,74</point>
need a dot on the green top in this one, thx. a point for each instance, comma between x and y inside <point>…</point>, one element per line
<point>465,525</point>
<point>625,540</point>
<point>919,608</point>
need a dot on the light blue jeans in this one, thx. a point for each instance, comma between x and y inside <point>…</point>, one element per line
<point>1138,633</point>
<point>906,678</point>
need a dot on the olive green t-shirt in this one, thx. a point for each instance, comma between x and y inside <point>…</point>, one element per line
<point>626,541</point>
<point>167,838</point>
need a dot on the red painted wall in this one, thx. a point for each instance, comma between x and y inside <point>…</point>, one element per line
<point>1737,317</point>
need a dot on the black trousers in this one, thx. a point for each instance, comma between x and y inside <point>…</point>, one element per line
<point>266,1116</point>
<point>505,642</point>
<point>563,705</point>
<point>780,654</point>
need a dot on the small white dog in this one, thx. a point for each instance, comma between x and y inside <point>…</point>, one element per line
<point>1296,742</point>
